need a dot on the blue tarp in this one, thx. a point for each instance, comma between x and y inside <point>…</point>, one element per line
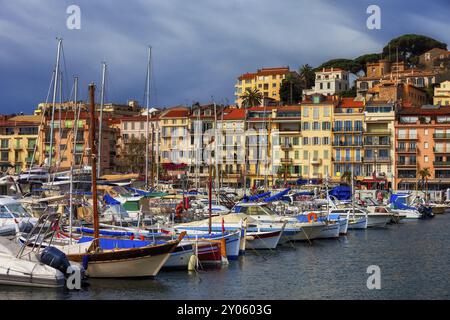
<point>257,197</point>
<point>111,243</point>
<point>110,200</point>
<point>341,192</point>
<point>399,202</point>
<point>277,196</point>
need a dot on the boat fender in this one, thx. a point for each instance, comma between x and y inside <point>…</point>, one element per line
<point>85,261</point>
<point>312,217</point>
<point>55,258</point>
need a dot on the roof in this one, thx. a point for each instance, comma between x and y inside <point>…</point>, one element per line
<point>264,72</point>
<point>425,110</point>
<point>351,103</point>
<point>236,114</point>
<point>26,118</point>
<point>180,112</point>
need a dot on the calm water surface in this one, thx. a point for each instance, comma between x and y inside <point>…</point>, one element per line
<point>414,258</point>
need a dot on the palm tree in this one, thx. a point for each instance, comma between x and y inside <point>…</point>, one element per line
<point>307,75</point>
<point>251,98</point>
<point>347,177</point>
<point>424,174</point>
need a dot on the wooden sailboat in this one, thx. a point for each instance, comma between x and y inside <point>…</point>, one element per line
<point>117,263</point>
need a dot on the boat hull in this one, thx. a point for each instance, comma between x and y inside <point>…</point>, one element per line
<point>126,263</point>
<point>330,231</point>
<point>263,240</point>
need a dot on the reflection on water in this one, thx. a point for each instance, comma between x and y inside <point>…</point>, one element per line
<point>413,257</point>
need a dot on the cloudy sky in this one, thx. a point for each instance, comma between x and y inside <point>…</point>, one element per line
<point>199,46</point>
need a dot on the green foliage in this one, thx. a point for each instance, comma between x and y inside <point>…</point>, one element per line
<point>345,64</point>
<point>251,98</point>
<point>307,75</point>
<point>291,90</point>
<point>410,47</point>
<point>351,93</point>
<point>367,58</point>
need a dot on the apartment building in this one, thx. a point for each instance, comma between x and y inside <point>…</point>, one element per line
<point>266,80</point>
<point>348,120</point>
<point>329,82</point>
<point>442,94</point>
<point>132,108</point>
<point>18,138</point>
<point>378,139</point>
<point>423,141</point>
<point>316,138</point>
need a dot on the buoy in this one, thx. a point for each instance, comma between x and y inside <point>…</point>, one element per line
<point>193,261</point>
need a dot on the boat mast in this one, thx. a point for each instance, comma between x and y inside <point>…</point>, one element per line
<point>55,88</point>
<point>353,194</point>
<point>93,162</point>
<point>216,155</point>
<point>100,121</point>
<point>76,116</point>
<point>148,116</point>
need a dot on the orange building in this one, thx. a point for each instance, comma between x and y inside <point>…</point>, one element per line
<point>423,141</point>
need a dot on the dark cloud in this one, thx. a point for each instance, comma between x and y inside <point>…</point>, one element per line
<point>199,46</point>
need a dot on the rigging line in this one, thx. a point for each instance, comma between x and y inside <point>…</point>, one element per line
<point>65,67</point>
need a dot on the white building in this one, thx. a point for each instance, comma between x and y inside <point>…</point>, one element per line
<point>329,82</point>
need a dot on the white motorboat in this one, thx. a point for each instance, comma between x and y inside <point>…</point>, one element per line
<point>13,216</point>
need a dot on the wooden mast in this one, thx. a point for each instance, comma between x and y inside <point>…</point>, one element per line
<point>93,163</point>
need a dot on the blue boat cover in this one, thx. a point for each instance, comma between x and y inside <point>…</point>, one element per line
<point>110,200</point>
<point>277,196</point>
<point>341,192</point>
<point>111,243</point>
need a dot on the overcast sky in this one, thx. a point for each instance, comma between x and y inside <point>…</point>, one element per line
<point>199,46</point>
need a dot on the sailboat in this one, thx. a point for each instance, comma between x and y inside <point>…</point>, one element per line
<point>98,262</point>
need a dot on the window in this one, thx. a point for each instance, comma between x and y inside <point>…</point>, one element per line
<point>325,154</point>
<point>305,126</point>
<point>326,111</point>
<point>316,125</point>
<point>325,140</point>
<point>305,111</point>
<point>297,154</point>
<point>305,154</point>
<point>316,112</point>
<point>305,141</point>
<point>295,141</point>
<point>425,158</point>
<point>326,125</point>
<point>425,145</point>
<point>316,141</point>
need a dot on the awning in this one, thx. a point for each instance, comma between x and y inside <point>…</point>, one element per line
<point>374,180</point>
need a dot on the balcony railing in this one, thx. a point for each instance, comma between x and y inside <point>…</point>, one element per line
<point>443,136</point>
<point>406,137</point>
<point>406,164</point>
<point>377,159</point>
<point>441,163</point>
<point>347,144</point>
<point>436,150</point>
<point>348,129</point>
<point>407,150</point>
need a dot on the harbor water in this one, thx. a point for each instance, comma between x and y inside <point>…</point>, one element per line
<point>414,260</point>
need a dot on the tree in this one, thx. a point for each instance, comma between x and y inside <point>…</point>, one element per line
<point>307,75</point>
<point>134,155</point>
<point>344,64</point>
<point>424,174</point>
<point>291,89</point>
<point>350,93</point>
<point>251,98</point>
<point>347,177</point>
<point>410,47</point>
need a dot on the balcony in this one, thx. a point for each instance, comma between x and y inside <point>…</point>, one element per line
<point>440,164</point>
<point>406,164</point>
<point>406,137</point>
<point>386,132</point>
<point>348,130</point>
<point>17,147</point>
<point>4,147</point>
<point>404,150</point>
<point>441,136</point>
<point>286,146</point>
<point>316,162</point>
<point>377,159</point>
<point>286,161</point>
<point>441,151</point>
<point>347,144</point>
<point>347,160</point>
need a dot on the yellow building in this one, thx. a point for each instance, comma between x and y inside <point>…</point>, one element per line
<point>317,117</point>
<point>442,94</point>
<point>348,138</point>
<point>266,80</point>
<point>18,137</point>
